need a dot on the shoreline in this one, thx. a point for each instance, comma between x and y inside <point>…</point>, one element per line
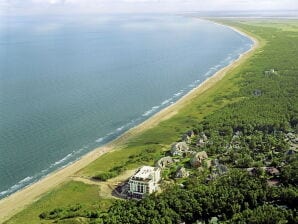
<point>17,201</point>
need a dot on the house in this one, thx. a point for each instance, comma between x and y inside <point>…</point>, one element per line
<point>203,136</point>
<point>220,169</point>
<point>272,171</point>
<point>164,161</point>
<point>292,138</point>
<point>188,135</point>
<point>179,148</point>
<point>253,171</point>
<point>271,71</point>
<point>186,138</point>
<point>202,140</point>
<point>290,152</point>
<point>144,181</point>
<point>198,159</point>
<point>257,92</point>
<point>182,173</point>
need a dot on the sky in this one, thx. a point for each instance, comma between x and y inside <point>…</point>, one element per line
<point>28,7</point>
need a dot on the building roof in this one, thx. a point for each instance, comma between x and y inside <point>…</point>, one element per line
<point>179,147</point>
<point>164,161</point>
<point>145,172</point>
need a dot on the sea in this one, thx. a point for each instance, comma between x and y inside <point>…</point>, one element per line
<point>71,84</point>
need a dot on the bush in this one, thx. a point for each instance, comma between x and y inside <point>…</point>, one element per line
<point>105,176</point>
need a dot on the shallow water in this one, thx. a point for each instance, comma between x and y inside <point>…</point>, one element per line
<point>68,85</point>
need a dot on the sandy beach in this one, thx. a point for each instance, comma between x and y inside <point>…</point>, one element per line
<point>19,200</point>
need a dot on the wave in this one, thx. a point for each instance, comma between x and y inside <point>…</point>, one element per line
<point>120,129</point>
<point>63,159</point>
<point>167,101</point>
<point>80,150</point>
<point>149,112</point>
<point>207,74</point>
<point>99,140</point>
<point>179,93</point>
<point>25,180</point>
<point>22,183</point>
<point>228,60</point>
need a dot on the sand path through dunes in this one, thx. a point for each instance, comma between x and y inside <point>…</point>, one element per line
<point>107,187</point>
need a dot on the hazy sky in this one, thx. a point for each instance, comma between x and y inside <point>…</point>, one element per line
<point>112,6</point>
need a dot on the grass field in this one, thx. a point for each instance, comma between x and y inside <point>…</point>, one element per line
<point>159,138</point>
<point>70,193</point>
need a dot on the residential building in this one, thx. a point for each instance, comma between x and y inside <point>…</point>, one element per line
<point>144,181</point>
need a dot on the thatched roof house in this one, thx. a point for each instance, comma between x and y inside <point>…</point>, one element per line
<point>182,173</point>
<point>164,161</point>
<point>179,148</point>
<point>188,135</point>
<point>198,159</point>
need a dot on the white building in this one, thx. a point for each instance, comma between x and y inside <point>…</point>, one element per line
<point>144,181</point>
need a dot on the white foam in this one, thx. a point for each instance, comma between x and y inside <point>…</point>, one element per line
<point>3,192</point>
<point>86,147</point>
<point>208,73</point>
<point>99,140</point>
<point>31,179</point>
<point>166,101</point>
<point>80,150</point>
<point>17,186</point>
<point>25,180</point>
<point>153,109</point>
<point>147,113</point>
<point>62,160</point>
<point>121,128</point>
<point>179,93</point>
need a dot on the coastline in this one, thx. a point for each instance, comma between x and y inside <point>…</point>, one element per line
<point>17,201</point>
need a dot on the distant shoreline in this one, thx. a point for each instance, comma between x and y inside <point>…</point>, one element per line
<point>22,198</point>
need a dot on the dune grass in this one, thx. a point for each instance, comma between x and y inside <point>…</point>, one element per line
<point>70,193</point>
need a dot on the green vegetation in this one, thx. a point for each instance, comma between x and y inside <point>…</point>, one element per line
<point>232,198</point>
<point>71,194</point>
<point>148,156</point>
<point>248,118</point>
<point>121,160</point>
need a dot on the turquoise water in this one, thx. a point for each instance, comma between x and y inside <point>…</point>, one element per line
<point>69,85</point>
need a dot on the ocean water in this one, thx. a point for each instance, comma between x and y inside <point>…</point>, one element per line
<point>69,85</point>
